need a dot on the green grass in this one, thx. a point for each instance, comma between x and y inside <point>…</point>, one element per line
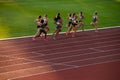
<point>17,16</point>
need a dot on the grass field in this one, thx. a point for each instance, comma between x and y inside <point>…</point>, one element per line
<point>17,16</point>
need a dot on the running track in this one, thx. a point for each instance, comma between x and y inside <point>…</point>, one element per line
<point>89,56</point>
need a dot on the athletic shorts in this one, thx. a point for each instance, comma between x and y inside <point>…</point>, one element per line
<point>94,21</point>
<point>38,26</point>
<point>58,27</point>
<point>80,21</point>
<point>74,25</point>
<point>46,24</point>
<point>42,30</point>
<point>69,23</point>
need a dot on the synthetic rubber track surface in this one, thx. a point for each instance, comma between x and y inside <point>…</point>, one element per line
<point>89,56</point>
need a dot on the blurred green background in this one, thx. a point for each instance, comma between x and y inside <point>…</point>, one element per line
<point>17,16</point>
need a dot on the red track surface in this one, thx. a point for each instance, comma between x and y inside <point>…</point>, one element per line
<point>89,56</point>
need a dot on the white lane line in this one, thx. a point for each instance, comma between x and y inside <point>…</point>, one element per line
<point>52,64</point>
<point>59,52</point>
<point>98,50</point>
<point>73,46</point>
<point>7,60</point>
<point>61,44</point>
<point>61,40</point>
<point>46,61</point>
<point>21,64</point>
<point>72,56</point>
<point>41,54</point>
<point>56,45</point>
<point>40,60</point>
<point>31,44</point>
<point>77,50</point>
<point>91,58</point>
<point>63,69</point>
<point>83,45</point>
<point>62,63</point>
<point>112,27</point>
